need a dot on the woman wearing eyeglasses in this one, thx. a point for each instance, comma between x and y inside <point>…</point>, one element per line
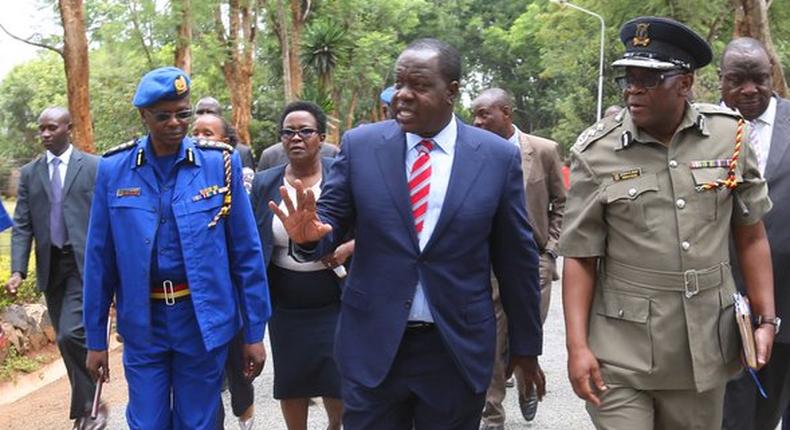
<point>305,296</point>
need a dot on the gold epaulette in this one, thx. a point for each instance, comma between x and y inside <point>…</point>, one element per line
<point>118,148</point>
<point>212,144</point>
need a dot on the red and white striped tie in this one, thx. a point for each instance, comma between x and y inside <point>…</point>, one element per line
<point>420,183</point>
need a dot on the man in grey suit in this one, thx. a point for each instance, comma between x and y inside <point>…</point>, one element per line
<point>275,155</point>
<point>53,206</point>
<point>746,85</point>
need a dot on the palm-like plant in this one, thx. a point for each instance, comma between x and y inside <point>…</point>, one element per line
<point>324,46</point>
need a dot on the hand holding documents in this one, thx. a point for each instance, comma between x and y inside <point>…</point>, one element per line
<point>743,316</point>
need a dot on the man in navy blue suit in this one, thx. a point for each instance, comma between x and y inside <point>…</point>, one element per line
<point>434,205</point>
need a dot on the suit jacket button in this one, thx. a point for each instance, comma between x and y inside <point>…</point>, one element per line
<point>407,305</point>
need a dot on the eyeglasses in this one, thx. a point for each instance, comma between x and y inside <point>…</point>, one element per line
<point>647,82</point>
<point>304,133</point>
<point>182,115</point>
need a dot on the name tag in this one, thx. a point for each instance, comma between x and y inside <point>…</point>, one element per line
<point>128,192</point>
<point>628,174</point>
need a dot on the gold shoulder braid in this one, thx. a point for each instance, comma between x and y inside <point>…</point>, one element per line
<point>730,182</point>
<point>226,149</point>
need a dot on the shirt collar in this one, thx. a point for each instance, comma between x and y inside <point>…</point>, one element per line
<point>445,139</point>
<point>64,157</point>
<point>182,149</point>
<point>769,115</point>
<point>691,118</point>
<point>515,138</point>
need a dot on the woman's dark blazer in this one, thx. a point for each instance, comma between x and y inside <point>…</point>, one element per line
<point>265,188</point>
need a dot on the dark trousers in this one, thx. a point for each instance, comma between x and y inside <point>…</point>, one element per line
<point>745,409</point>
<point>242,393</point>
<point>64,304</point>
<point>423,391</point>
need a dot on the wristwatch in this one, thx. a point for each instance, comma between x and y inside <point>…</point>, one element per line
<point>774,321</point>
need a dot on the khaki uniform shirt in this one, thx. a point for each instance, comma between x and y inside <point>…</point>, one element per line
<point>662,314</point>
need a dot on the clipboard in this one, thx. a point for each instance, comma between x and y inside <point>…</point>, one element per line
<point>743,317</point>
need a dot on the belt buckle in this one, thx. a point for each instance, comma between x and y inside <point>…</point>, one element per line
<point>170,298</point>
<point>689,277</point>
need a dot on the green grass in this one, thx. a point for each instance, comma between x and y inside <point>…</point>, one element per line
<point>5,237</point>
<point>16,362</point>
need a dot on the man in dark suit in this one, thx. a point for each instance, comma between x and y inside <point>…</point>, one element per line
<point>53,206</point>
<point>746,86</point>
<point>416,336</point>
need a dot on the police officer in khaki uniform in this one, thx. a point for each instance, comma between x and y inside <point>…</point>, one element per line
<point>656,191</point>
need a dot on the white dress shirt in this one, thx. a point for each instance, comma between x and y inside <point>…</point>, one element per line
<point>515,138</point>
<point>765,130</point>
<point>64,163</point>
<point>442,157</point>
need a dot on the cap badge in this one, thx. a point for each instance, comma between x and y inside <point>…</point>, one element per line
<point>181,85</point>
<point>641,37</point>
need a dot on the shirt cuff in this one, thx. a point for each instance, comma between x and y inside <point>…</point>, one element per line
<point>96,339</point>
<point>254,333</point>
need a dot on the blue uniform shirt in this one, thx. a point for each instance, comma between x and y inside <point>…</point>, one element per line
<point>168,259</point>
<point>5,220</point>
<point>223,264</point>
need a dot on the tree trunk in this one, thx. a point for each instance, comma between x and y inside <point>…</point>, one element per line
<point>285,46</point>
<point>295,45</point>
<point>239,64</point>
<point>351,108</point>
<point>751,20</point>
<point>75,56</point>
<point>183,55</point>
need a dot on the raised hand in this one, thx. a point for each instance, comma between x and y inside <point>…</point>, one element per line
<point>301,222</point>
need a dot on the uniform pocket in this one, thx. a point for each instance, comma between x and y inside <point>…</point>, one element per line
<point>729,341</point>
<point>627,200</point>
<point>620,332</point>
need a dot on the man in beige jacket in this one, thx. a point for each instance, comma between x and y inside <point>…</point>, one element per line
<point>540,159</point>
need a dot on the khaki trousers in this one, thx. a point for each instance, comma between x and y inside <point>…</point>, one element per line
<point>494,412</point>
<point>626,408</point>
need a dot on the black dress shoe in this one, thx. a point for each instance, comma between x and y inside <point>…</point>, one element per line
<point>529,406</point>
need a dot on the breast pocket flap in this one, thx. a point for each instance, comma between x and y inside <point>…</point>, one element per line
<point>625,307</point>
<point>631,189</point>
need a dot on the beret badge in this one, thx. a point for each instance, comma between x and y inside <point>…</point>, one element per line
<point>642,38</point>
<point>180,85</point>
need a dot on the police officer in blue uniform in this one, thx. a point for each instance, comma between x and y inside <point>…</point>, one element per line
<point>172,236</point>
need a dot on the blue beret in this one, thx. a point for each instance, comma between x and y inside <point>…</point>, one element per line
<point>662,44</point>
<point>164,83</point>
<point>386,95</point>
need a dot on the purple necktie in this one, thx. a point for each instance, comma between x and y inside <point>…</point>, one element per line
<point>57,231</point>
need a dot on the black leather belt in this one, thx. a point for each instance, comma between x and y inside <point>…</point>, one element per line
<point>66,250</point>
<point>416,326</point>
